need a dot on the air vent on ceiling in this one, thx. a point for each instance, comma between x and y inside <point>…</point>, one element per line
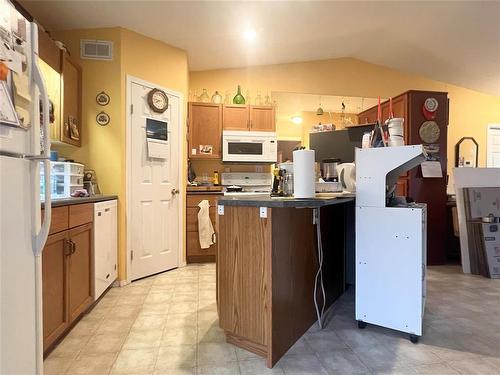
<point>96,49</point>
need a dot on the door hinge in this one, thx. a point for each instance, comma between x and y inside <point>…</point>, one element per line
<point>131,109</point>
<point>131,255</point>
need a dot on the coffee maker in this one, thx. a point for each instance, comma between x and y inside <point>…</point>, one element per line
<point>329,170</point>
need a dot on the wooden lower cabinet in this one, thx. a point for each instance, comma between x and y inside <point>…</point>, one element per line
<point>55,296</point>
<point>194,253</point>
<point>66,277</point>
<point>79,275</point>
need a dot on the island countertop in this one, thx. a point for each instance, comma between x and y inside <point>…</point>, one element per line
<point>281,202</point>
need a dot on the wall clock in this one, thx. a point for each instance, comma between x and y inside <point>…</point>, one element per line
<point>103,118</point>
<point>102,98</point>
<point>158,100</point>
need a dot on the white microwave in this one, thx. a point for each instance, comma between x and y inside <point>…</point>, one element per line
<point>249,147</point>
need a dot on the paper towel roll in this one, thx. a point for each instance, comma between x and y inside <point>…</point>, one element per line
<point>303,174</point>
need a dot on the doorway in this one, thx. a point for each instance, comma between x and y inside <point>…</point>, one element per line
<point>154,207</point>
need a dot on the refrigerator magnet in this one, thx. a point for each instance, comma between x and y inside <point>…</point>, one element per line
<point>429,132</point>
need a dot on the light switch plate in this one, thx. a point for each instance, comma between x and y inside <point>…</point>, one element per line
<point>263,212</point>
<point>220,209</point>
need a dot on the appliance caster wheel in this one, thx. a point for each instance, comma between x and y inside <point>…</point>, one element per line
<point>361,324</point>
<point>414,339</point>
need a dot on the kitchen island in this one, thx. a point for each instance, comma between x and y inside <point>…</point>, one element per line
<point>267,263</point>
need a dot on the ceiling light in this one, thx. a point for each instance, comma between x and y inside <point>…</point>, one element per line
<point>297,120</point>
<point>250,35</point>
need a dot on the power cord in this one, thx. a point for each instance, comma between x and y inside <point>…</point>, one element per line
<point>319,274</point>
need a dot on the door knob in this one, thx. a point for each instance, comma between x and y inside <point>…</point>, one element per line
<point>175,191</point>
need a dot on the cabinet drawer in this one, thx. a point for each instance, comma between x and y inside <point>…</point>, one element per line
<point>192,218</point>
<point>193,246</point>
<point>80,214</point>
<point>59,220</point>
<point>194,200</point>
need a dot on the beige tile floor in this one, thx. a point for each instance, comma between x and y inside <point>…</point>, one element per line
<point>167,324</point>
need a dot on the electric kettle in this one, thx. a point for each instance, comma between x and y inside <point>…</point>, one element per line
<point>347,176</point>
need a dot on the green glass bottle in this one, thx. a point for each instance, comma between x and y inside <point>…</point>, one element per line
<point>239,99</point>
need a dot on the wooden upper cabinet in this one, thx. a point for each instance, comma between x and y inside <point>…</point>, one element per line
<point>399,106</point>
<point>236,117</point>
<point>55,294</point>
<point>368,117</point>
<point>384,108</point>
<point>48,51</point>
<point>262,118</point>
<point>204,129</point>
<point>79,275</point>
<point>71,101</point>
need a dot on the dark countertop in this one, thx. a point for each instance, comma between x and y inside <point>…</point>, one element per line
<point>205,193</point>
<point>70,201</point>
<point>266,201</point>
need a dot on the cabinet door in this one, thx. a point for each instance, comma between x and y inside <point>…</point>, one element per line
<point>402,187</point>
<point>399,106</point>
<point>79,271</point>
<point>71,121</point>
<point>368,117</point>
<point>262,118</point>
<point>194,253</point>
<point>204,128</point>
<point>385,111</point>
<point>54,287</point>
<point>236,117</point>
<point>48,51</point>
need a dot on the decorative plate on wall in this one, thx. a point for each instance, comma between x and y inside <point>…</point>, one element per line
<point>102,98</point>
<point>429,132</point>
<point>103,118</point>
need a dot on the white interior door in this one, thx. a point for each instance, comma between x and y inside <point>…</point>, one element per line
<point>493,149</point>
<point>154,217</point>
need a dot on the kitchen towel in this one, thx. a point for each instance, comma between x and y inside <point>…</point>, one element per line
<point>205,227</point>
<point>303,170</point>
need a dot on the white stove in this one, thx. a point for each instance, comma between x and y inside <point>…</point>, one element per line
<point>251,183</point>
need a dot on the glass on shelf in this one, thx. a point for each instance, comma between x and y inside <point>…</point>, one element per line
<point>258,99</point>
<point>204,97</point>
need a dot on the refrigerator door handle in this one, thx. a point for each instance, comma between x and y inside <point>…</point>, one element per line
<point>41,236</point>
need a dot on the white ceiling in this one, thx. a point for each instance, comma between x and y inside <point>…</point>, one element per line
<point>292,103</point>
<point>456,42</point>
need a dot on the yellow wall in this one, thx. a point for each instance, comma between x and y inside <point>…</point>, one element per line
<point>104,148</point>
<point>470,111</point>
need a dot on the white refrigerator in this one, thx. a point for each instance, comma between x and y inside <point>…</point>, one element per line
<point>24,150</point>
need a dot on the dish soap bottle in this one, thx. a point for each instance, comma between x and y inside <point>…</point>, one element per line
<point>216,178</point>
<point>239,99</point>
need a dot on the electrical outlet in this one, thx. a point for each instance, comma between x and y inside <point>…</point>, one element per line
<point>259,168</point>
<point>263,212</point>
<point>227,170</point>
<point>220,209</point>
